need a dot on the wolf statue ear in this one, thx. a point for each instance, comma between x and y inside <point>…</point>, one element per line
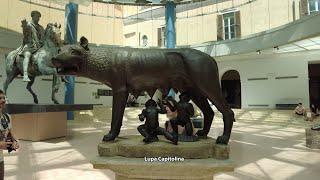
<point>84,43</point>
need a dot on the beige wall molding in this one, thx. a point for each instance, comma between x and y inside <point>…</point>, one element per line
<point>303,28</point>
<point>9,39</point>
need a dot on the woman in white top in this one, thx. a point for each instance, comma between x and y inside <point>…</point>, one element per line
<point>5,133</point>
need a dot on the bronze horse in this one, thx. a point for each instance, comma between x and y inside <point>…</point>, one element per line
<point>41,62</point>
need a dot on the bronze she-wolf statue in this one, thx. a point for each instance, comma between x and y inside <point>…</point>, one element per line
<point>132,70</point>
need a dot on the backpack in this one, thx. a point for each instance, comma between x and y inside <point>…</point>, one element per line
<point>7,117</point>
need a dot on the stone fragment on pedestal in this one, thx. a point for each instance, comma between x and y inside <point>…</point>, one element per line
<point>130,158</point>
<point>312,138</point>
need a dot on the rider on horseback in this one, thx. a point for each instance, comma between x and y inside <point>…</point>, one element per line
<point>33,40</point>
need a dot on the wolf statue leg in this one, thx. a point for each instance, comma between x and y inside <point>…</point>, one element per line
<point>118,106</point>
<point>214,93</point>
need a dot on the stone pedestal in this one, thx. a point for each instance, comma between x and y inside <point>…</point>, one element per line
<point>130,158</point>
<point>38,122</point>
<point>312,138</point>
<point>39,126</point>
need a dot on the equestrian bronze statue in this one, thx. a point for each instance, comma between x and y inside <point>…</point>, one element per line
<point>33,57</point>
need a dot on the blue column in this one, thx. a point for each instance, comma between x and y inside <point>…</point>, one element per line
<point>71,23</point>
<point>170,30</point>
<point>170,24</point>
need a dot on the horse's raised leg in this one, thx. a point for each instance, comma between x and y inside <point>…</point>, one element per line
<point>55,88</point>
<point>9,79</point>
<point>29,85</point>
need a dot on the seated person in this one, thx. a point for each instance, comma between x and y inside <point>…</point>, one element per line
<point>150,129</point>
<point>300,110</point>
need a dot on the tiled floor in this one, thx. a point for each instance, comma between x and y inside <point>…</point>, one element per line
<point>266,144</point>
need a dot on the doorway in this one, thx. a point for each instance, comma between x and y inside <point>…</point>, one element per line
<point>231,88</point>
<point>314,84</point>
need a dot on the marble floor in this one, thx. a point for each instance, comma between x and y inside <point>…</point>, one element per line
<point>265,144</point>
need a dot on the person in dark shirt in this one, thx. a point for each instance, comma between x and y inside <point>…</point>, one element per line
<point>7,140</point>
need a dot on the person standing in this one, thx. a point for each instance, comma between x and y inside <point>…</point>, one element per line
<point>7,140</point>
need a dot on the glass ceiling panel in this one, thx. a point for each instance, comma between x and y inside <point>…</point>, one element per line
<point>126,2</point>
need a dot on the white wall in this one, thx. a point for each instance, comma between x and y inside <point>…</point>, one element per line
<point>271,91</point>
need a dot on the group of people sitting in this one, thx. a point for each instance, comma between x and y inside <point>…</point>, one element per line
<point>178,113</point>
<point>302,111</point>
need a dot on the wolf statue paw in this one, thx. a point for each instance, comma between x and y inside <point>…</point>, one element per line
<point>150,139</point>
<point>202,133</point>
<point>109,137</point>
<point>222,139</point>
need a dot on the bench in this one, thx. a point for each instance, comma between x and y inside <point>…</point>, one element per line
<point>286,106</point>
<point>288,103</point>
